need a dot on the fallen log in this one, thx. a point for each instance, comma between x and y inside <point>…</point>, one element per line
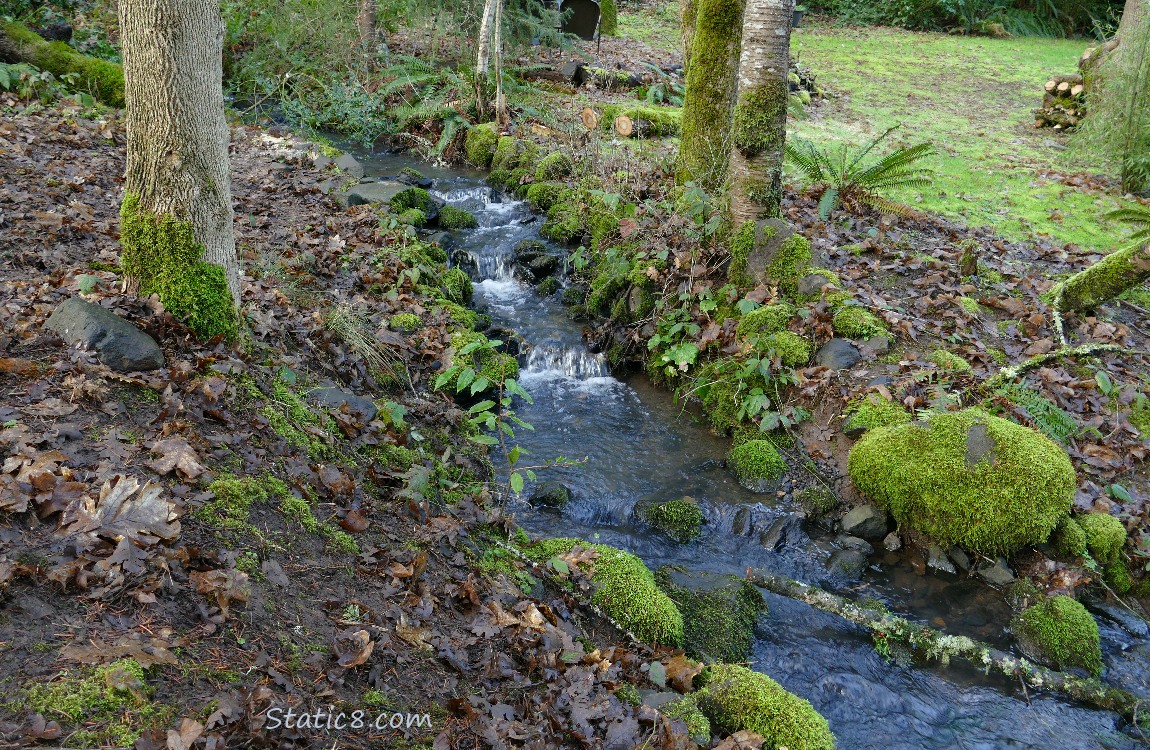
<point>936,646</point>
<point>103,79</point>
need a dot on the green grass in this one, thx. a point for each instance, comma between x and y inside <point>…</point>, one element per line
<point>658,28</point>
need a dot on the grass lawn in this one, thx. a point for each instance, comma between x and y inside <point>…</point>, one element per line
<point>973,97</point>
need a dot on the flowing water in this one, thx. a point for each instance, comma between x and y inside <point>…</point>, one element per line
<point>641,446</point>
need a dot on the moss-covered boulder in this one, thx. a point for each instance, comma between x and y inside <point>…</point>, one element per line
<point>1105,536</point>
<point>967,478</point>
<point>768,252</point>
<point>766,320</point>
<point>719,612</point>
<point>493,365</point>
<point>687,710</point>
<point>854,322</point>
<point>456,286</point>
<point>872,412</point>
<point>564,218</point>
<point>625,590</point>
<point>1059,631</point>
<point>553,166</point>
<point>451,217</point>
<point>735,698</point>
<point>950,362</point>
<point>757,465</point>
<point>543,195</point>
<point>791,349</point>
<point>480,144</point>
<point>680,519</point>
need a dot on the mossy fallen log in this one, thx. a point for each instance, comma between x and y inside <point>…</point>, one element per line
<point>935,646</point>
<point>1104,280</point>
<point>103,79</point>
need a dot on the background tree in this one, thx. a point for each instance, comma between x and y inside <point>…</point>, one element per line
<point>709,101</point>
<point>487,26</point>
<point>365,20</point>
<point>176,219</point>
<point>759,129</point>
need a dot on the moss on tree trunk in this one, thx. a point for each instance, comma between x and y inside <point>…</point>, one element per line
<point>708,106</point>
<point>688,16</point>
<point>1104,280</point>
<point>103,79</point>
<point>608,18</point>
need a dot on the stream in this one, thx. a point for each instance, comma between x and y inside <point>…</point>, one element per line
<point>640,446</point>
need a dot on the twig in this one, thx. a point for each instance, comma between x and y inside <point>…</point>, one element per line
<point>1085,350</point>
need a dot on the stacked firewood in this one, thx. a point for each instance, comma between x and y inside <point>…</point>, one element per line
<point>1064,104</point>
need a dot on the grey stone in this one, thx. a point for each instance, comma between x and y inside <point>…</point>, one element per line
<point>543,265</point>
<point>937,560</point>
<point>866,521</point>
<point>443,239</point>
<point>119,344</point>
<point>998,574</point>
<point>880,380</point>
<point>464,261</point>
<point>891,542</point>
<point>366,193</point>
<point>326,186</point>
<point>349,165</point>
<point>741,526</point>
<point>960,558</point>
<point>979,445</point>
<point>765,249</point>
<point>1125,619</point>
<point>550,495</point>
<point>845,541</point>
<point>657,698</point>
<point>322,162</point>
<point>847,563</point>
<point>838,354</point>
<point>812,285</point>
<point>334,397</point>
<point>786,531</point>
<point>876,345</point>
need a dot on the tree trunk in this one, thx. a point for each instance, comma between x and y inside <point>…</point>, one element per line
<point>483,59</point>
<point>688,17</point>
<point>365,19</point>
<point>708,106</point>
<point>760,123</point>
<point>176,220</point>
<point>1105,280</point>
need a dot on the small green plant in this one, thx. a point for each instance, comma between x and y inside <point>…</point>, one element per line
<point>846,179</point>
<point>1139,217</point>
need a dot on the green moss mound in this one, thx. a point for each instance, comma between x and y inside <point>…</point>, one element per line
<point>679,519</point>
<point>1105,536</point>
<point>949,362</point>
<point>791,349</point>
<point>854,322</point>
<point>1069,540</point>
<point>873,411</point>
<point>456,284</point>
<point>1065,632</point>
<point>625,589</point>
<point>687,710</point>
<point>719,613</point>
<point>451,217</point>
<point>493,365</point>
<point>480,144</point>
<point>543,195</point>
<point>990,504</point>
<point>405,322</point>
<point>790,263</point>
<point>553,166</point>
<point>756,463</point>
<point>736,698</point>
<point>409,198</point>
<point>163,254</point>
<point>103,79</point>
<point>413,217</point>
<point>564,219</point>
<point>110,700</point>
<point>765,320</point>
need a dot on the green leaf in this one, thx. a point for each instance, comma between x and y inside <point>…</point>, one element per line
<point>559,566</point>
<point>745,306</point>
<point>513,455</point>
<point>1104,383</point>
<point>484,440</point>
<point>396,411</point>
<point>481,383</point>
<point>513,387</point>
<point>517,483</point>
<point>481,406</point>
<point>1118,492</point>
<point>658,674</point>
<point>465,378</point>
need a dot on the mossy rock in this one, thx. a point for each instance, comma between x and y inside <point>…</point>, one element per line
<point>1062,632</point>
<point>564,219</point>
<point>480,144</point>
<point>791,349</point>
<point>412,197</point>
<point>681,519</point>
<point>719,612</point>
<point>543,195</point>
<point>757,465</point>
<point>413,217</point>
<point>687,710</point>
<point>765,320</point>
<point>950,362</point>
<point>456,285</point>
<point>625,590</point>
<point>854,322</point>
<point>553,166</point>
<point>735,698</point>
<point>968,478</point>
<point>490,364</point>
<point>548,286</point>
<point>767,252</point>
<point>1069,540</point>
<point>405,322</point>
<point>451,217</point>
<point>873,412</point>
<point>1105,536</point>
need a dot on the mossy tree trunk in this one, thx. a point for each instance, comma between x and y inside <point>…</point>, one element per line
<point>688,16</point>
<point>483,60</point>
<point>365,20</point>
<point>760,122</point>
<point>104,80</point>
<point>708,106</point>
<point>1105,280</point>
<point>176,220</point>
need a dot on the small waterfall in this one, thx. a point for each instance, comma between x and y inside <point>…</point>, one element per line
<point>550,358</point>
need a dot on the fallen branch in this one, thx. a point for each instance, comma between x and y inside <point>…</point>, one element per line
<point>1085,350</point>
<point>939,647</point>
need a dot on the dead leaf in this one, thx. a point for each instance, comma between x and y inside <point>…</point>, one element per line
<point>175,454</point>
<point>183,738</point>
<point>353,647</point>
<point>225,585</point>
<point>125,510</point>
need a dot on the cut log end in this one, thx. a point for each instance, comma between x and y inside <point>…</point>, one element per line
<point>590,118</point>
<point>624,126</point>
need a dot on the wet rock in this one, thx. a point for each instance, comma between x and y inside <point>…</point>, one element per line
<point>1123,618</point>
<point>960,558</point>
<point>326,187</point>
<point>876,346</point>
<point>366,193</point>
<point>719,612</point>
<point>334,397</point>
<point>550,495</point>
<point>119,344</point>
<point>866,521</point>
<point>512,342</point>
<point>998,574</point>
<point>414,179</point>
<point>847,563</point>
<point>443,239</point>
<point>979,444</point>
<point>534,261</point>
<point>275,574</point>
<point>322,162</point>
<point>838,354</point>
<point>846,541</point>
<point>937,560</point>
<point>891,542</point>
<point>741,526</point>
<point>349,165</point>
<point>786,531</point>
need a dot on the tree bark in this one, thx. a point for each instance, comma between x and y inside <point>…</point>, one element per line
<point>483,58</point>
<point>709,102</point>
<point>688,16</point>
<point>760,122</point>
<point>177,220</point>
<point>1105,280</point>
<point>365,19</point>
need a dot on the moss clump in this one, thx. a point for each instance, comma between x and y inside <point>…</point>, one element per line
<point>817,500</point>
<point>1105,536</point>
<point>854,322</point>
<point>548,286</point>
<point>653,122</point>
<point>461,317</point>
<point>1118,576</point>
<point>765,320</point>
<point>488,363</point>
<point>234,498</point>
<point>1140,416</point>
<point>687,710</point>
<point>990,503</point>
<point>625,590</point>
<point>405,322</point>
<point>1104,280</point>
<point>679,519</point>
<point>790,263</point>
<point>451,217</point>
<point>103,79</point>
<point>608,18</point>
<point>289,416</point>
<point>873,412</point>
<point>553,166</point>
<point>480,144</point>
<point>602,223</point>
<point>456,284</point>
<point>741,244</point>
<point>564,219</point>
<point>1069,540</point>
<point>544,195</point>
<point>736,698</point>
<point>791,349</point>
<point>413,217</point>
<point>756,463</point>
<point>299,510</point>
<point>114,695</point>
<point>163,254</point>
<point>758,116</point>
<point>950,362</point>
<point>409,198</point>
<point>1064,631</point>
<point>718,616</point>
